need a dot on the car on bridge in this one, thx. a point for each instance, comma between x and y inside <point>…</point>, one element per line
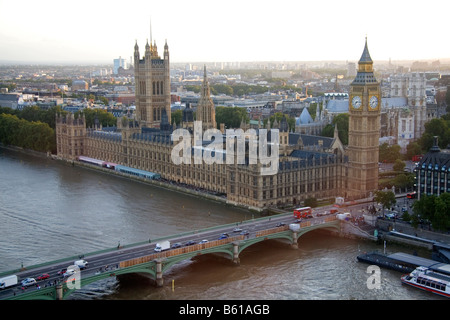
<point>190,243</point>
<point>176,245</point>
<point>43,276</point>
<point>62,271</point>
<point>244,233</point>
<point>237,229</point>
<point>203,241</point>
<point>69,272</point>
<point>28,282</point>
<point>223,236</point>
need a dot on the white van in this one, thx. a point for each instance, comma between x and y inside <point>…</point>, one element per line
<point>82,264</point>
<point>344,216</point>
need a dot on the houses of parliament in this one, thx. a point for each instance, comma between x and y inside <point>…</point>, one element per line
<point>308,167</point>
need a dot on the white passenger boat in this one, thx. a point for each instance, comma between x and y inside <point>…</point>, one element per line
<point>428,280</point>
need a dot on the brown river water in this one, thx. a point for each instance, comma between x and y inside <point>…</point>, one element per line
<point>51,210</point>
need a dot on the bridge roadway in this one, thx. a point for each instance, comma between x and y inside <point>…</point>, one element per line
<point>115,261</point>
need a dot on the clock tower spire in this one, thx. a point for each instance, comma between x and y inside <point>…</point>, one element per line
<point>364,130</point>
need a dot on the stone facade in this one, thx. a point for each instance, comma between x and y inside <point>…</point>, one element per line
<point>152,81</point>
<point>413,87</point>
<point>364,130</point>
<point>308,166</point>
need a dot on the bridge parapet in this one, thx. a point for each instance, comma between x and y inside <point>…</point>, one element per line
<point>179,251</point>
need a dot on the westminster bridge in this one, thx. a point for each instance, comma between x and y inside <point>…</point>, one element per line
<point>141,257</point>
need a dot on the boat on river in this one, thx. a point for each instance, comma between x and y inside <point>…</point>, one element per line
<point>428,280</point>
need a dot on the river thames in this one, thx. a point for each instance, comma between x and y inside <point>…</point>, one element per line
<point>51,210</point>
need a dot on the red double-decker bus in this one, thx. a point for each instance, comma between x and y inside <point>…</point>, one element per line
<point>411,195</point>
<point>304,212</point>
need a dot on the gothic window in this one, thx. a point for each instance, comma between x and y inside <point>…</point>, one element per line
<point>142,90</point>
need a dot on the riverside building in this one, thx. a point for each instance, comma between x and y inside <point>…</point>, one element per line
<point>307,167</point>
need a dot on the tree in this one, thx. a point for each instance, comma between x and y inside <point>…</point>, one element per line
<point>403,181</point>
<point>176,116</point>
<point>311,202</point>
<point>412,149</point>
<point>231,116</point>
<point>389,153</point>
<point>341,120</point>
<point>104,117</point>
<point>435,209</point>
<point>399,165</point>
<point>435,127</point>
<point>328,131</point>
<point>279,116</point>
<point>385,198</point>
<point>33,135</point>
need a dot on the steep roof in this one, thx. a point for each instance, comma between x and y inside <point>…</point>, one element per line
<point>304,118</point>
<point>365,57</point>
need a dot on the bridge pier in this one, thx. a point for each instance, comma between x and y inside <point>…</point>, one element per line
<point>159,275</point>
<point>294,244</point>
<point>59,291</point>
<point>236,253</point>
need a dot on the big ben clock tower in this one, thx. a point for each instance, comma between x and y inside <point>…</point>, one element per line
<point>364,130</point>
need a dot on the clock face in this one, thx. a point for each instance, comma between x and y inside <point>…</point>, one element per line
<point>373,102</point>
<point>356,102</point>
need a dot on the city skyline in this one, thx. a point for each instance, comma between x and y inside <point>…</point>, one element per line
<point>204,31</point>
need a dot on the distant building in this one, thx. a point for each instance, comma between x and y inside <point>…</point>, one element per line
<point>119,63</point>
<point>351,69</point>
<point>16,100</point>
<point>412,86</point>
<point>79,85</point>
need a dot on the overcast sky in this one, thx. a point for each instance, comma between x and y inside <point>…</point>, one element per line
<point>233,30</point>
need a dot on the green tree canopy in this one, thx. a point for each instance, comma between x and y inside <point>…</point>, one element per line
<point>385,198</point>
<point>176,116</point>
<point>341,120</point>
<point>412,149</point>
<point>34,135</point>
<point>389,153</point>
<point>231,116</point>
<point>399,165</point>
<point>435,209</point>
<point>104,117</point>
<point>435,127</point>
<point>279,116</point>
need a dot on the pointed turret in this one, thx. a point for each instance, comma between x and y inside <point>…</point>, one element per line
<point>136,54</point>
<point>147,50</point>
<point>365,57</point>
<point>365,68</point>
<point>205,109</point>
<point>336,131</point>
<point>154,50</point>
<point>166,51</point>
